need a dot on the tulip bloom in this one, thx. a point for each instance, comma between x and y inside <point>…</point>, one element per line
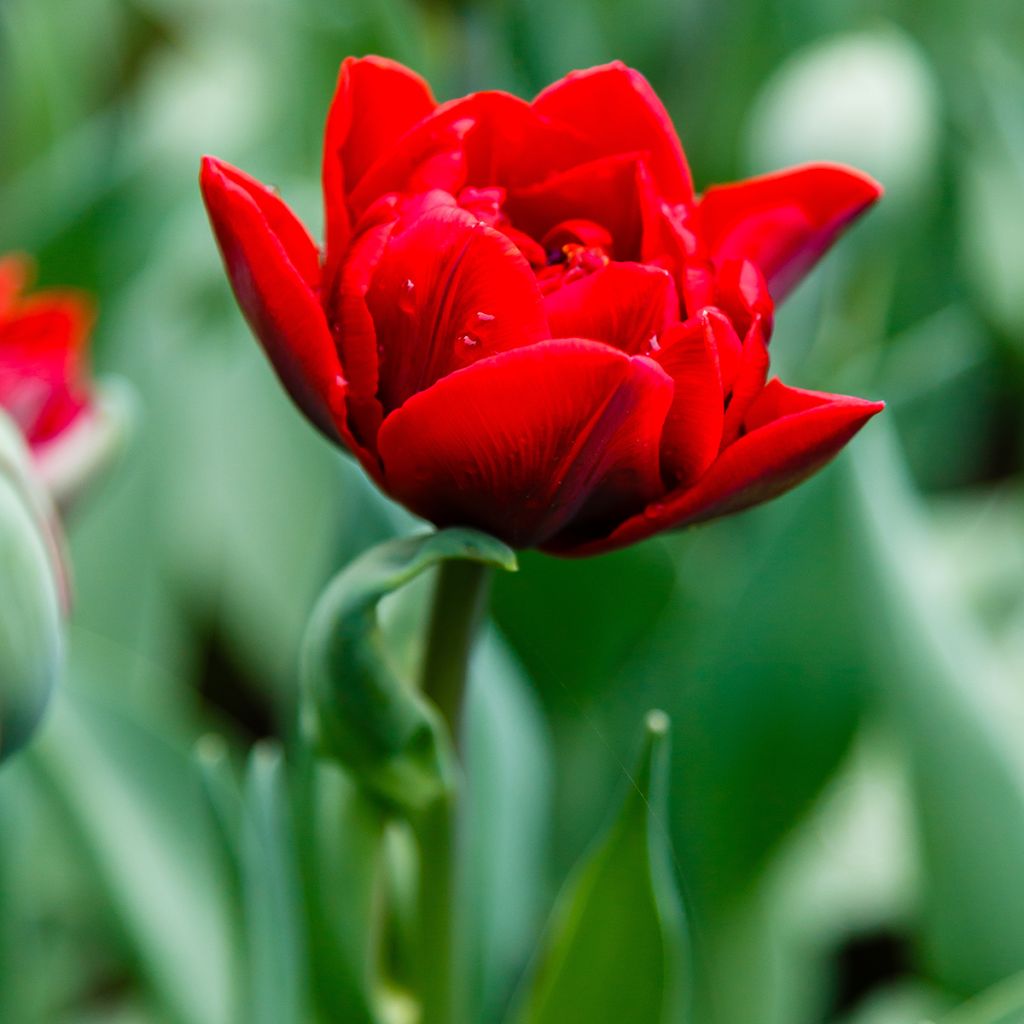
<point>44,384</point>
<point>525,320</point>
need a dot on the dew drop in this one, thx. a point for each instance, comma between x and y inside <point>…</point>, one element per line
<point>407,295</point>
<point>653,344</point>
<point>483,318</point>
<point>469,340</point>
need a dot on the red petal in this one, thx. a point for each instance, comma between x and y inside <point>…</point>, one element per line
<point>532,441</point>
<point>751,373</point>
<point>375,103</point>
<point>784,222</point>
<point>727,345</point>
<point>42,378</point>
<point>792,434</point>
<point>278,303</point>
<point>616,109</point>
<point>448,292</point>
<point>624,304</point>
<point>604,191</point>
<point>299,247</point>
<point>693,429</point>
<point>483,140</point>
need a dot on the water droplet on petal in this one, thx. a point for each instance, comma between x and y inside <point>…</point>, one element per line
<point>484,318</point>
<point>653,344</point>
<point>469,340</point>
<point>407,295</point>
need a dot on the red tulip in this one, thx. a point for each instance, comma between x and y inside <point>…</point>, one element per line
<point>44,385</point>
<point>523,318</point>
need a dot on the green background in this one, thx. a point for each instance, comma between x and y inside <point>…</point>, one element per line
<point>843,668</point>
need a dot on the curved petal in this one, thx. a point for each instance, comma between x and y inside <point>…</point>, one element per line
<point>447,292</point>
<point>485,139</point>
<point>618,112</point>
<point>299,247</point>
<point>751,373</point>
<point>563,433</point>
<point>281,308</point>
<point>693,429</point>
<point>792,433</point>
<point>785,221</point>
<point>375,103</point>
<point>604,191</point>
<point>626,305</point>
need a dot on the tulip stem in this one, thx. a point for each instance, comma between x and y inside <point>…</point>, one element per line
<point>460,601</point>
<point>437,944</point>
<point>459,605</point>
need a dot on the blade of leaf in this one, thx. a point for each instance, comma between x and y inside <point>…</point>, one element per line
<point>509,777</point>
<point>616,948</point>
<point>361,714</point>
<point>1003,1004</point>
<point>340,846</point>
<point>959,716</point>
<point>272,895</point>
<point>129,796</point>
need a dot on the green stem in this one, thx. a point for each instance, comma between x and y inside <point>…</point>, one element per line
<point>437,941</point>
<point>460,601</point>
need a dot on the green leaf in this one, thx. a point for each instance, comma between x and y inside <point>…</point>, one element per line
<point>342,865</point>
<point>1002,1004</point>
<point>509,777</point>
<point>615,948</point>
<point>277,970</point>
<point>359,711</point>
<point>131,799</point>
<point>958,713</point>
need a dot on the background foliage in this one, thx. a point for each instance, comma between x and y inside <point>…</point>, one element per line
<point>843,669</point>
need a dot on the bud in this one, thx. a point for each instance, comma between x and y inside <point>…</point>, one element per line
<point>32,590</point>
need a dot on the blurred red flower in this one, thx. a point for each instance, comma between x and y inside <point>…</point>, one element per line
<point>44,384</point>
<point>524,319</point>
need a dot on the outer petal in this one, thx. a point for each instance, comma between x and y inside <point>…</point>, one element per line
<point>693,429</point>
<point>786,221</point>
<point>299,247</point>
<point>448,291</point>
<point>792,433</point>
<point>375,103</point>
<point>278,303</point>
<point>627,305</point>
<point>618,111</point>
<point>563,433</point>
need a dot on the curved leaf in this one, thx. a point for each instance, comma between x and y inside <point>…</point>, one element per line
<point>616,948</point>
<point>360,712</point>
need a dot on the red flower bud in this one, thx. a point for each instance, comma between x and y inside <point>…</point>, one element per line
<point>524,319</point>
<point>44,381</point>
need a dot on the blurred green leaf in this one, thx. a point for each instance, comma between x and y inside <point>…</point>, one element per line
<point>1003,1004</point>
<point>615,948</point>
<point>277,963</point>
<point>509,775</point>
<point>961,723</point>
<point>131,799</point>
<point>359,712</point>
<point>341,845</point>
